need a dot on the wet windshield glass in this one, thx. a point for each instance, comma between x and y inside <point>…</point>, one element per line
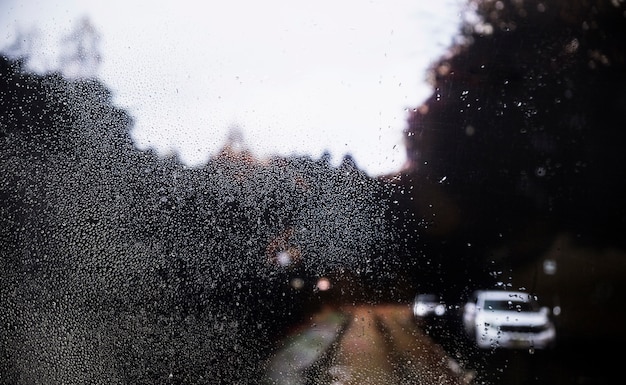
<point>273,192</point>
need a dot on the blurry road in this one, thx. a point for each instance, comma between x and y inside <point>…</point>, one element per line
<point>363,344</point>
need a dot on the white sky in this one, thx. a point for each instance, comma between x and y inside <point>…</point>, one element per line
<point>297,77</point>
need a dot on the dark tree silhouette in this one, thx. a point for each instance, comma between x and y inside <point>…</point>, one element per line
<point>156,269</point>
<point>523,137</point>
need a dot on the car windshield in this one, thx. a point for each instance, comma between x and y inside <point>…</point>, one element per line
<point>427,298</point>
<point>509,305</point>
<point>255,192</point>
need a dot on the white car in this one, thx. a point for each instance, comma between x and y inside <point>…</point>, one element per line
<point>508,319</point>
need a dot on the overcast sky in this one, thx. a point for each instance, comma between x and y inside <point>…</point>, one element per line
<point>296,77</point>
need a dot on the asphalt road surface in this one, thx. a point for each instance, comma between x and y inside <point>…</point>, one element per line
<point>363,344</point>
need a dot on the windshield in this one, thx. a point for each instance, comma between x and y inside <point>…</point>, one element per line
<point>250,192</point>
<point>428,298</point>
<point>510,306</point>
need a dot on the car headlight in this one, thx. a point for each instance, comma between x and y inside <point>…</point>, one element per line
<point>419,310</point>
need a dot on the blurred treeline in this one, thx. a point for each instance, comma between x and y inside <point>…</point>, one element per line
<point>119,266</point>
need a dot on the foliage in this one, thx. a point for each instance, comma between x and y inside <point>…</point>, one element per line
<point>145,269</point>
